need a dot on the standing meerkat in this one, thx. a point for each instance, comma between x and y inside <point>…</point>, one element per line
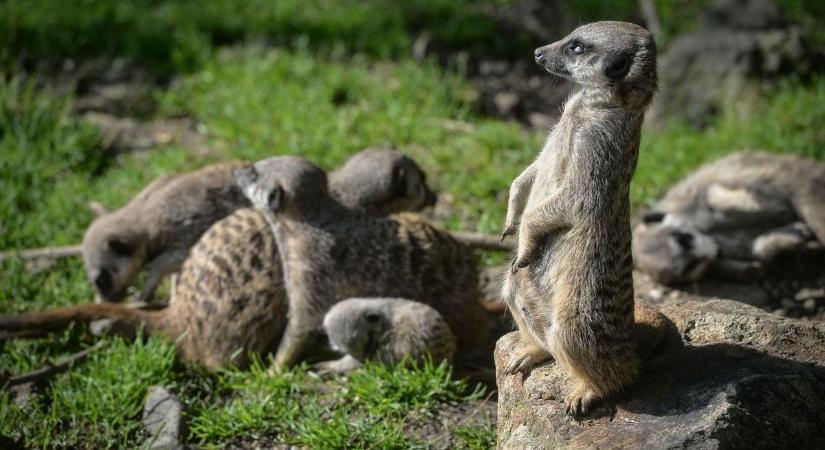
<point>386,330</point>
<point>732,217</point>
<point>330,253</point>
<point>230,302</point>
<point>156,229</point>
<point>570,289</point>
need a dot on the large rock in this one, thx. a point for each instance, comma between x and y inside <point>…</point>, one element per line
<point>743,47</point>
<point>734,377</point>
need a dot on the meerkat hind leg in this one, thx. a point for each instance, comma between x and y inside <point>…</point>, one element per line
<point>580,400</point>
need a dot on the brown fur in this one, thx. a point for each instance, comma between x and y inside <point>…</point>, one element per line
<point>731,217</point>
<point>156,229</point>
<point>387,330</point>
<point>230,301</point>
<point>570,290</point>
<point>331,253</point>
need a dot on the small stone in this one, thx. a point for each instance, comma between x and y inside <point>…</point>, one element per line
<point>163,419</point>
<point>810,305</point>
<point>505,102</point>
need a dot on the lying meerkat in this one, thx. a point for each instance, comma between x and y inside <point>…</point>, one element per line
<point>155,230</point>
<point>229,301</point>
<point>732,217</point>
<point>570,289</point>
<point>386,330</point>
<point>330,253</point>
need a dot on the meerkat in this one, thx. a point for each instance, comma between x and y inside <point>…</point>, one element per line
<point>386,330</point>
<point>230,301</point>
<point>731,218</point>
<point>570,289</point>
<point>156,229</point>
<point>330,253</point>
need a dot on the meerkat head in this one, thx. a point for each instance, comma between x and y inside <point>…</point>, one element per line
<point>283,185</point>
<point>113,255</point>
<point>617,55</point>
<point>671,252</point>
<point>356,326</point>
<point>383,180</point>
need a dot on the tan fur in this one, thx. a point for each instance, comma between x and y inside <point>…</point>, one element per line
<point>731,217</point>
<point>230,301</point>
<point>387,330</point>
<point>570,290</point>
<point>331,253</point>
<point>156,229</point>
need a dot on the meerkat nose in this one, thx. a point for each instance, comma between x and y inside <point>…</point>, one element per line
<point>539,55</point>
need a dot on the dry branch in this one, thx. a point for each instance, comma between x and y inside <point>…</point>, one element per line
<point>50,369</point>
<point>43,253</point>
<point>483,241</point>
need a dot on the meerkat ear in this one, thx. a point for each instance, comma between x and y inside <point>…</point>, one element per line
<point>400,182</point>
<point>275,198</point>
<point>617,66</point>
<point>373,317</point>
<point>244,177</point>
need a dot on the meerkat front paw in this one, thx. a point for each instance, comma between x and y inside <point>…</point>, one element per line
<point>509,230</point>
<point>527,357</point>
<point>528,251</point>
<point>580,401</point>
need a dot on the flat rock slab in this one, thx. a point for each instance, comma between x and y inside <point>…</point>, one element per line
<point>731,376</point>
<point>163,419</point>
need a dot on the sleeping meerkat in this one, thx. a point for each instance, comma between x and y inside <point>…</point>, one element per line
<point>330,253</point>
<point>156,229</point>
<point>229,301</point>
<point>570,289</point>
<point>386,330</point>
<point>732,217</point>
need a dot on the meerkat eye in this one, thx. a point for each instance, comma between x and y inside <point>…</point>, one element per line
<point>576,48</point>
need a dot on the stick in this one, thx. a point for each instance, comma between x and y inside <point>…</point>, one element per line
<point>45,252</point>
<point>53,369</point>
<point>482,241</point>
<point>651,17</point>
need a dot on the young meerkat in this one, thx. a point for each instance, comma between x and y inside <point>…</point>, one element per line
<point>732,217</point>
<point>230,301</point>
<point>386,330</point>
<point>330,253</point>
<point>570,289</point>
<point>156,229</point>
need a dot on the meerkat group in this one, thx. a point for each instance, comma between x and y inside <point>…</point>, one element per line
<point>570,289</point>
<point>358,255</point>
<point>732,218</point>
<point>229,302</point>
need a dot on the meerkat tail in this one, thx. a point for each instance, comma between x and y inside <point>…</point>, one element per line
<point>60,318</point>
<point>649,329</point>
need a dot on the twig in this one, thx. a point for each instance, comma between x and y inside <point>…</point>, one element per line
<point>24,334</point>
<point>651,17</point>
<point>483,241</point>
<point>53,369</point>
<point>43,253</point>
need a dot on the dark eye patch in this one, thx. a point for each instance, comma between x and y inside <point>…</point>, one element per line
<point>121,248</point>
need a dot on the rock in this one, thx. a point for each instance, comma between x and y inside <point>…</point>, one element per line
<point>744,47</point>
<point>737,378</point>
<point>163,419</point>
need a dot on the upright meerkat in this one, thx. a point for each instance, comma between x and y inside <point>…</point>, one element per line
<point>387,330</point>
<point>732,217</point>
<point>230,302</point>
<point>156,229</point>
<point>330,253</point>
<point>570,289</point>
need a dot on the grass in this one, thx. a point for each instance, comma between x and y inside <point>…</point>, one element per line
<point>313,83</point>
